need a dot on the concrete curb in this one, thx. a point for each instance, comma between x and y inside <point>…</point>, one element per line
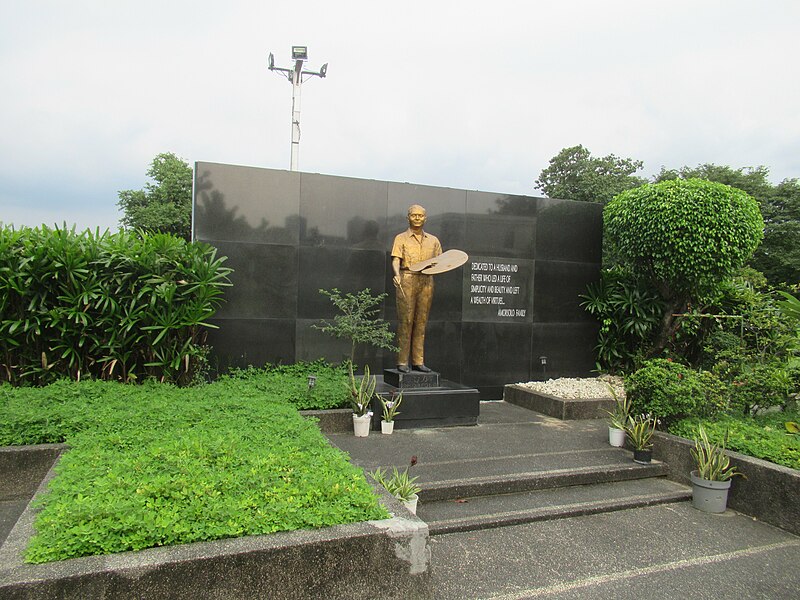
<point>771,493</point>
<point>560,408</point>
<point>380,559</point>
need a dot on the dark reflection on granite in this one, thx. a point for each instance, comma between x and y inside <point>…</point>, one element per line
<point>264,280</point>
<point>313,344</point>
<point>500,224</point>
<point>495,353</point>
<point>444,206</point>
<point>246,204</point>
<point>569,231</point>
<point>244,342</point>
<point>341,211</point>
<point>341,268</point>
<point>569,348</point>
<point>557,289</point>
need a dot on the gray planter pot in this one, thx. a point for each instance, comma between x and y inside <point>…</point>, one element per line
<point>709,496</point>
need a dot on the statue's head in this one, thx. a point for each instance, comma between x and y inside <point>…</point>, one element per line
<point>416,215</point>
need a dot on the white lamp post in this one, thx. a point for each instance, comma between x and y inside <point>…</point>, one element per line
<point>295,76</point>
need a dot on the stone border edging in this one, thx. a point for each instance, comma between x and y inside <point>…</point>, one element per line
<point>559,408</point>
<point>771,493</point>
<point>370,559</point>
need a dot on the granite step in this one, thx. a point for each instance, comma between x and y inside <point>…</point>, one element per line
<point>469,513</point>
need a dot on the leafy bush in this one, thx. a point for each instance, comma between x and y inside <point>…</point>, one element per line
<point>327,388</point>
<point>99,305</point>
<point>155,464</point>
<point>629,313</point>
<point>763,436</point>
<point>672,391</point>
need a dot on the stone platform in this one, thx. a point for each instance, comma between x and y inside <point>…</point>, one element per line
<point>428,401</point>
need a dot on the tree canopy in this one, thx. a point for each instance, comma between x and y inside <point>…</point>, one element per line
<point>165,205</point>
<point>684,236</point>
<point>574,174</point>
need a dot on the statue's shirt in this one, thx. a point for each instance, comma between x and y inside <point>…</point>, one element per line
<point>411,248</point>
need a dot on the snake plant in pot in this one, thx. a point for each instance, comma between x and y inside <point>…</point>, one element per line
<point>618,418</point>
<point>400,485</point>
<point>361,393</point>
<point>640,432</point>
<point>711,480</point>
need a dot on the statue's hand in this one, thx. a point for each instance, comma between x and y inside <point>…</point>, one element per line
<point>396,281</point>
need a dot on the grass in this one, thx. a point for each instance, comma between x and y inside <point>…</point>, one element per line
<point>762,436</point>
<point>154,465</point>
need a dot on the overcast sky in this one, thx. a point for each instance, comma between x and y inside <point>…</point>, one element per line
<point>475,95</point>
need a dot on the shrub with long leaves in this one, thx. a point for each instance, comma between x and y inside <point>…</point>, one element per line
<point>122,306</point>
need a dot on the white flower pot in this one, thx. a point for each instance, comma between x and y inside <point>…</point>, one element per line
<point>387,427</point>
<point>361,425</point>
<point>616,437</point>
<point>411,505</point>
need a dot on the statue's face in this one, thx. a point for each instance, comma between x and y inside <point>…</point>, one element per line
<point>416,216</point>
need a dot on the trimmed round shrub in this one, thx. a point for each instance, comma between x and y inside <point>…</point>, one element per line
<point>672,391</point>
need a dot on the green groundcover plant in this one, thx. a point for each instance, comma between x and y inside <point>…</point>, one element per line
<point>155,465</point>
<point>763,436</point>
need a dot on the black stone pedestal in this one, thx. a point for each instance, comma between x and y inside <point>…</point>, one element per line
<point>428,401</point>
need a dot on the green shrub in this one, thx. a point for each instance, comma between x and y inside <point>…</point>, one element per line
<point>155,464</point>
<point>100,305</point>
<point>671,391</point>
<point>763,436</point>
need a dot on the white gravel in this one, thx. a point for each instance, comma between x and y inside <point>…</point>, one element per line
<point>572,387</point>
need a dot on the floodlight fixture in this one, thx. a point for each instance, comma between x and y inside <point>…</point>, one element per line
<point>295,76</point>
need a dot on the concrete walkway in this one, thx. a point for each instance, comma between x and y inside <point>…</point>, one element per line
<point>667,550</point>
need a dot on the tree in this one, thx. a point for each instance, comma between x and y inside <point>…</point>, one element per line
<point>778,256</point>
<point>164,206</point>
<point>574,174</point>
<point>685,237</point>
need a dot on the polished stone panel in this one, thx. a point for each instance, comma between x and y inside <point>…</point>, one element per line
<point>264,280</point>
<point>348,270</point>
<point>342,211</point>
<point>567,230</point>
<point>244,342</point>
<point>445,208</point>
<point>246,204</point>
<point>501,225</point>
<point>289,234</point>
<point>495,352</point>
<point>567,347</point>
<point>313,344</point>
<point>557,288</point>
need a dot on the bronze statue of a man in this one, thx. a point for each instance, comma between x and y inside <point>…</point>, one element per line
<point>414,290</point>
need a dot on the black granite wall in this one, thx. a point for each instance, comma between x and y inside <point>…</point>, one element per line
<point>288,234</point>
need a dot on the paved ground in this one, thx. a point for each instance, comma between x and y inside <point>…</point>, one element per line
<point>666,551</point>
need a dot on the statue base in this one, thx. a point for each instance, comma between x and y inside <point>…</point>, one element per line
<point>428,401</point>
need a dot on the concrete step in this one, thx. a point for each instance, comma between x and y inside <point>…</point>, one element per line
<point>509,475</point>
<point>469,513</point>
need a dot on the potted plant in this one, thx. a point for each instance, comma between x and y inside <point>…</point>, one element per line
<point>400,485</point>
<point>390,411</point>
<point>640,431</point>
<point>361,393</point>
<point>618,418</point>
<point>711,480</point>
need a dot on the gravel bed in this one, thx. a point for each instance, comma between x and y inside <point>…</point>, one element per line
<point>572,388</point>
